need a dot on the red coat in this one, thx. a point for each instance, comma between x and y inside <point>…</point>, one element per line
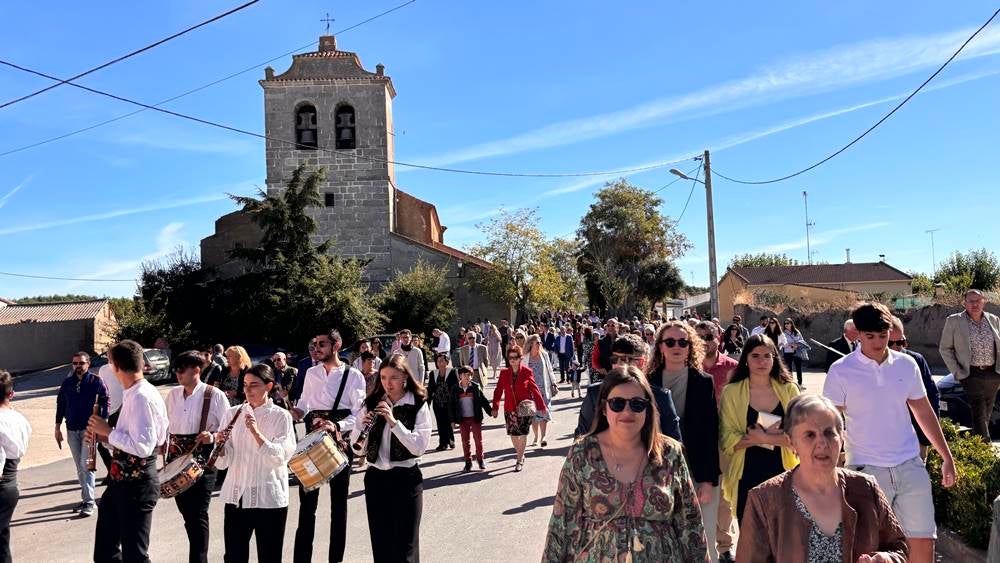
<point>514,392</point>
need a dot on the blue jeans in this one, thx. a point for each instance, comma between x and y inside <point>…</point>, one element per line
<point>78,447</point>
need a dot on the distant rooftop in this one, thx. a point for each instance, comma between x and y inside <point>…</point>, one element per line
<point>821,273</point>
<point>50,312</point>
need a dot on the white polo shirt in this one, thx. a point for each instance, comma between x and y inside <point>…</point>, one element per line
<point>874,398</point>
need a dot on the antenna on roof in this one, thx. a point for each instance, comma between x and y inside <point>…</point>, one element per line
<point>848,256</point>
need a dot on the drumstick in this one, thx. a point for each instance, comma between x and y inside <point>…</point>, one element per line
<point>838,352</point>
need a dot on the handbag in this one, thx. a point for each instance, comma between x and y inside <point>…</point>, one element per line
<point>526,408</point>
<point>553,389</point>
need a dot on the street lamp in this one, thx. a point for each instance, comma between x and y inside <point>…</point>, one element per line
<point>713,278</point>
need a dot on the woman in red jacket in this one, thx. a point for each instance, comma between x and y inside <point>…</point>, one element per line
<point>517,384</point>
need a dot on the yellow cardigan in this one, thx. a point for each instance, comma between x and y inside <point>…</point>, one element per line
<point>733,426</point>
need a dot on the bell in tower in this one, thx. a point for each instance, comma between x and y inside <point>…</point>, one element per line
<point>345,128</point>
<point>305,127</point>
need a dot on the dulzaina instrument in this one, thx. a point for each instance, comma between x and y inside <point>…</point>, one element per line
<point>92,443</point>
<point>361,442</point>
<point>181,473</point>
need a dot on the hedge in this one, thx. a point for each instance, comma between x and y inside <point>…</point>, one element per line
<point>967,507</point>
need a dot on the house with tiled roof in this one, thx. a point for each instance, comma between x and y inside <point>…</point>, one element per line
<point>5,302</point>
<point>42,335</point>
<point>813,283</point>
<point>327,111</point>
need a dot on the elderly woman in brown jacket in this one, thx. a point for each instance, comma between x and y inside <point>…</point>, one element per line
<point>818,511</point>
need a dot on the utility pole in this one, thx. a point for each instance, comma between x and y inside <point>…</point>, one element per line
<point>805,199</point>
<point>713,279</point>
<point>933,258</point>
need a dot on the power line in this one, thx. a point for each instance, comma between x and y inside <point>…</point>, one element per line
<point>877,123</point>
<point>694,184</point>
<point>198,89</point>
<point>61,278</point>
<point>329,151</point>
<point>129,55</point>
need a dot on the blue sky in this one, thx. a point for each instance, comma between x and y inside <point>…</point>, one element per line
<point>521,87</point>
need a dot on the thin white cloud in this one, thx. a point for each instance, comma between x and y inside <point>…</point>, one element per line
<point>836,68</point>
<point>821,238</point>
<point>10,194</point>
<point>124,212</point>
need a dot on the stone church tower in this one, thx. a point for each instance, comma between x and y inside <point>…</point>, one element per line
<point>327,111</point>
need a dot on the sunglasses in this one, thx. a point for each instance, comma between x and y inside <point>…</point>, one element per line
<point>707,337</point>
<point>625,359</point>
<point>671,342</point>
<point>900,342</point>
<point>635,404</point>
<point>513,358</point>
<point>79,363</point>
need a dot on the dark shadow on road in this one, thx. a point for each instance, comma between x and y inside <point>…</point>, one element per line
<point>47,493</point>
<point>545,502</point>
<point>61,508</point>
<point>48,485</point>
<point>41,520</point>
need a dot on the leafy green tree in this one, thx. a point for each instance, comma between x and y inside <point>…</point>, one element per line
<point>621,233</point>
<point>419,300</point>
<point>659,280</point>
<point>976,269</point>
<point>55,299</point>
<point>514,245</point>
<point>922,284</point>
<point>563,253</point>
<point>762,259</point>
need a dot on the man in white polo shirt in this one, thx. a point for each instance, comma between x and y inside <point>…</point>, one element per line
<point>877,388</point>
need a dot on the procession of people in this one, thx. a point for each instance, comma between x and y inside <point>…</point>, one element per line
<point>693,441</point>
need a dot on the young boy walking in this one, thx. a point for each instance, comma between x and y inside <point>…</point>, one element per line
<point>466,406</point>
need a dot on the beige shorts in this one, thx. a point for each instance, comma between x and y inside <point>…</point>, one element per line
<point>907,486</point>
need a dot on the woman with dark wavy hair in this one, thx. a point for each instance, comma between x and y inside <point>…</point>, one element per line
<point>624,492</point>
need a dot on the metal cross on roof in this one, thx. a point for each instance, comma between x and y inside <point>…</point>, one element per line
<point>328,21</point>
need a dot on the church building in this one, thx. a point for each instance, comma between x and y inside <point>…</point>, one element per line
<point>328,111</point>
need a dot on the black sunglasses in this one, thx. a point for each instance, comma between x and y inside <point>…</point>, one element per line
<point>512,358</point>
<point>708,337</point>
<point>635,404</point>
<point>79,363</point>
<point>671,342</point>
<point>900,342</point>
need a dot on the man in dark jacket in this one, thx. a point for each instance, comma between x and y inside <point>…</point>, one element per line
<point>78,394</point>
<point>897,341</point>
<point>466,406</point>
<point>845,344</point>
<point>600,361</point>
<point>630,349</point>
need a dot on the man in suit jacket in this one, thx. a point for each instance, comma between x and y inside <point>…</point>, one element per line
<point>632,350</point>
<point>476,356</point>
<point>845,344</point>
<point>564,350</point>
<point>970,347</point>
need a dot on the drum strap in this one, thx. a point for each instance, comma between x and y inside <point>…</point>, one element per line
<point>343,383</point>
<point>205,403</point>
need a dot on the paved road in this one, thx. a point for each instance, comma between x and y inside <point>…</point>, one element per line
<point>505,514</point>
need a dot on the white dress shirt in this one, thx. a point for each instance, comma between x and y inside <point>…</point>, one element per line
<point>185,412</point>
<point>115,390</point>
<point>14,434</point>
<point>415,440</point>
<point>444,343</point>
<point>319,391</point>
<point>415,361</point>
<point>756,330</point>
<point>142,424</point>
<point>258,475</point>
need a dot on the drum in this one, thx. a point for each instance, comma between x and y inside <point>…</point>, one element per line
<point>178,475</point>
<point>316,460</point>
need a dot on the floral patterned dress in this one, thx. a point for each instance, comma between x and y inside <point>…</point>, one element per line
<point>589,523</point>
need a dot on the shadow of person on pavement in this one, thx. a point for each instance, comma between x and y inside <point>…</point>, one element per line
<point>545,502</point>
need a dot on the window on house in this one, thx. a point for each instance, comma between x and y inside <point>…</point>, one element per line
<point>305,127</point>
<point>328,200</point>
<point>345,128</point>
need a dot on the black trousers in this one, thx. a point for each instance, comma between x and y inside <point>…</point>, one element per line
<point>193,506</point>
<point>446,434</point>
<point>124,519</point>
<point>794,362</point>
<point>101,449</point>
<point>9,496</point>
<point>563,366</point>
<point>267,524</point>
<point>304,534</point>
<point>395,502</point>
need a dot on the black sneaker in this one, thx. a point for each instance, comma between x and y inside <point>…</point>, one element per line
<point>482,465</point>
<point>727,557</point>
<point>468,466</point>
<point>441,448</point>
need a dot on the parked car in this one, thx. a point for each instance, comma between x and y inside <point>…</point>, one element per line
<point>955,405</point>
<point>156,369</point>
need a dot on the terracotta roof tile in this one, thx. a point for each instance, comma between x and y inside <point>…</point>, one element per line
<point>821,273</point>
<point>445,249</point>
<point>50,312</point>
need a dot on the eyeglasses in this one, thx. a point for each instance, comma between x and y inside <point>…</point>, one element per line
<point>635,404</point>
<point>707,337</point>
<point>323,344</point>
<point>513,358</point>
<point>900,342</point>
<point>671,342</point>
<point>622,359</point>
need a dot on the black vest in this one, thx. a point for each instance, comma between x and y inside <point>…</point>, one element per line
<point>405,415</point>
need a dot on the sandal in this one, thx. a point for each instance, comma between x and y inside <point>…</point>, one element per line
<point>518,466</point>
<point>544,443</point>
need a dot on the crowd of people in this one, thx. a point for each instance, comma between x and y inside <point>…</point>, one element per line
<point>693,442</point>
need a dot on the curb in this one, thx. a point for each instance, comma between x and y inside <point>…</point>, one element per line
<point>951,548</point>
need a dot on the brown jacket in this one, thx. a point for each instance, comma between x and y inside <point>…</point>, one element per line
<point>774,530</point>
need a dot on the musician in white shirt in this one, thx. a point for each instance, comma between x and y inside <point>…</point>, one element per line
<point>443,342</point>
<point>125,512</point>
<point>115,393</point>
<point>331,392</point>
<point>195,411</point>
<point>400,432</point>
<point>14,434</point>
<point>256,488</point>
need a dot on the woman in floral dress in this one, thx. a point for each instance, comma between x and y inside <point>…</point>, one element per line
<point>624,493</point>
